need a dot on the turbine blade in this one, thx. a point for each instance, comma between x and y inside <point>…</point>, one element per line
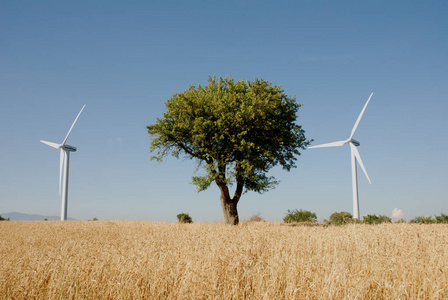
<point>359,118</point>
<point>334,144</point>
<point>358,158</point>
<point>54,145</point>
<point>63,143</point>
<point>61,164</point>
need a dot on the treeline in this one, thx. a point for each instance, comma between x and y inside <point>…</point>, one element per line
<point>336,218</point>
<point>343,217</point>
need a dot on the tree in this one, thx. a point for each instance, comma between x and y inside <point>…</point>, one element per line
<point>300,216</point>
<point>423,220</point>
<point>442,219</point>
<point>339,218</point>
<point>374,219</point>
<point>236,131</point>
<point>184,218</point>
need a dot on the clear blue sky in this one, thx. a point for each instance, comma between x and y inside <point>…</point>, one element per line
<point>125,58</point>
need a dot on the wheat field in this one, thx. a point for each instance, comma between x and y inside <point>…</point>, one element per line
<point>254,260</point>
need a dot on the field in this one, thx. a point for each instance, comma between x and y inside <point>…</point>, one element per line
<point>254,260</point>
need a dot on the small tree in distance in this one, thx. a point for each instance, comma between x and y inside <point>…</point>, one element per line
<point>374,219</point>
<point>340,218</point>
<point>184,218</point>
<point>442,219</point>
<point>236,131</point>
<point>423,220</point>
<point>299,216</point>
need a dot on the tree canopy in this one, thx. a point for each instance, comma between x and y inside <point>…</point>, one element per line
<point>237,131</point>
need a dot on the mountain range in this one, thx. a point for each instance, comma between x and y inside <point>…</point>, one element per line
<point>17,216</point>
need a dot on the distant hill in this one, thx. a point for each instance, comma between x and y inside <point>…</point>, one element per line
<point>16,216</point>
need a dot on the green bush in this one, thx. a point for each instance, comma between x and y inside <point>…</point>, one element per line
<point>442,219</point>
<point>423,220</point>
<point>184,218</point>
<point>3,219</point>
<point>340,218</point>
<point>374,219</point>
<point>299,216</point>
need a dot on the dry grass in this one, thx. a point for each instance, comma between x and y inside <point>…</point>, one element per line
<point>256,260</point>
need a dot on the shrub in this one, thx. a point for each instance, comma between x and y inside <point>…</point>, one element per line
<point>256,218</point>
<point>385,219</point>
<point>423,220</point>
<point>374,219</point>
<point>299,216</point>
<point>184,218</point>
<point>3,219</point>
<point>339,218</point>
<point>429,220</point>
<point>442,219</point>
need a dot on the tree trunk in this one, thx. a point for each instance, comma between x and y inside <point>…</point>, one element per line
<point>230,211</point>
<point>229,206</point>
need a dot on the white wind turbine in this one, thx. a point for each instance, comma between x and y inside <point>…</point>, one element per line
<point>355,157</point>
<point>63,167</point>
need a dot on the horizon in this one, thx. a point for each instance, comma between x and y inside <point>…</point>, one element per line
<point>396,217</point>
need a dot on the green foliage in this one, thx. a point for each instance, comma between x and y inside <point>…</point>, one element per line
<point>423,220</point>
<point>374,219</point>
<point>340,218</point>
<point>236,131</point>
<point>299,216</point>
<point>442,219</point>
<point>184,218</point>
<point>94,219</point>
<point>3,219</point>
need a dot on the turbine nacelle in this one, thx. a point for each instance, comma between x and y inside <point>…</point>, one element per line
<point>69,148</point>
<point>354,142</point>
<point>60,146</point>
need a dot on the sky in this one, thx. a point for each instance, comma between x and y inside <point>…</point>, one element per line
<point>124,59</point>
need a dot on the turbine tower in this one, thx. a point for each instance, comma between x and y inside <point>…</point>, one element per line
<point>355,157</point>
<point>63,167</point>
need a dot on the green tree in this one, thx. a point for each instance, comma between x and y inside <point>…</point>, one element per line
<point>236,131</point>
<point>299,216</point>
<point>423,220</point>
<point>339,218</point>
<point>374,219</point>
<point>184,218</point>
<point>442,219</point>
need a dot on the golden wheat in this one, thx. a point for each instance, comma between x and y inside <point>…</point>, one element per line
<point>256,260</point>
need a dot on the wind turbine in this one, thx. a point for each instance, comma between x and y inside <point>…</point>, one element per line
<point>63,167</point>
<point>355,157</point>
